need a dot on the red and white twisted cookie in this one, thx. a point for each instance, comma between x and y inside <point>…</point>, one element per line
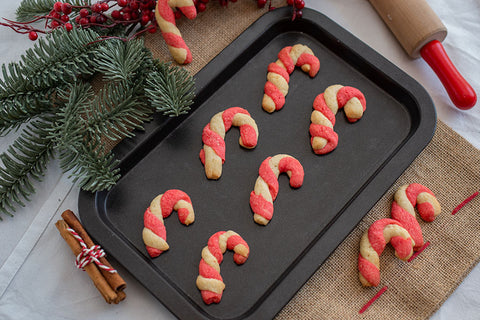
<point>266,186</point>
<point>403,209</point>
<point>209,281</point>
<point>154,233</point>
<point>278,75</point>
<point>373,243</point>
<point>323,138</point>
<point>212,154</point>
<point>166,22</point>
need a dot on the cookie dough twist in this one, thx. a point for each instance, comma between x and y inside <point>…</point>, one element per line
<point>154,233</point>
<point>166,21</point>
<point>278,75</point>
<point>266,186</point>
<point>405,200</point>
<point>323,138</point>
<point>209,281</point>
<point>373,243</point>
<point>212,154</point>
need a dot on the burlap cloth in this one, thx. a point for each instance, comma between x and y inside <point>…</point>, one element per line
<point>449,166</point>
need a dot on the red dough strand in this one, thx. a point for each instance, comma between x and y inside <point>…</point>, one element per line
<point>209,281</point>
<point>373,243</point>
<point>154,233</point>
<point>212,154</point>
<point>166,21</point>
<point>266,186</point>
<point>278,76</point>
<point>323,138</point>
<point>405,200</point>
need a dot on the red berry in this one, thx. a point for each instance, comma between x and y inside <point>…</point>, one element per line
<point>56,15</point>
<point>122,3</point>
<point>105,6</point>
<point>201,7</point>
<point>32,35</point>
<point>299,4</point>
<point>127,16</point>
<point>68,26</point>
<point>261,3</point>
<point>58,6</point>
<point>54,24</point>
<point>97,7</point>
<point>66,8</point>
<point>101,19</point>
<point>290,2</point>
<point>134,5</point>
<point>84,13</point>
<point>65,18</point>
<point>144,19</point>
<point>152,29</point>
<point>116,14</point>
<point>83,21</point>
<point>93,19</point>
<point>299,14</point>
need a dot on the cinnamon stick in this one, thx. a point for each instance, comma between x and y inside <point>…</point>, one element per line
<point>114,279</point>
<point>99,281</point>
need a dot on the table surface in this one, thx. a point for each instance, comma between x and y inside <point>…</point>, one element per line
<point>37,277</point>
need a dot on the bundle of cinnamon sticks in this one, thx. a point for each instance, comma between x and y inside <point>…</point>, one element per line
<point>110,285</point>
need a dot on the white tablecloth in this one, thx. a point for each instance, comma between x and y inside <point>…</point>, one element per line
<point>37,276</point>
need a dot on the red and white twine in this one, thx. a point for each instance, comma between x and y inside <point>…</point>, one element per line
<point>89,255</point>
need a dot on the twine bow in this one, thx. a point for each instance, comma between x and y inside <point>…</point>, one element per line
<point>89,255</point>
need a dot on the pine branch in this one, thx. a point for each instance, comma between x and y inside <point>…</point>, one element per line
<point>61,57</point>
<point>87,160</point>
<point>121,61</point>
<point>25,160</point>
<point>170,89</point>
<point>95,169</point>
<point>28,87</point>
<point>115,112</point>
<point>68,131</point>
<point>17,109</point>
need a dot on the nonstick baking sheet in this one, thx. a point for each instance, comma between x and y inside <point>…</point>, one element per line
<point>308,223</point>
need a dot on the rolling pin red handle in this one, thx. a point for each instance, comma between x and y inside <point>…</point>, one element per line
<point>460,91</point>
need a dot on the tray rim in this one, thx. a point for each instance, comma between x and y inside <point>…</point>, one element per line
<point>276,299</point>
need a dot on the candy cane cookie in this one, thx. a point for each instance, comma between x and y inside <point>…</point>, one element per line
<point>373,243</point>
<point>172,36</point>
<point>405,200</point>
<point>209,280</point>
<point>323,138</point>
<point>278,75</point>
<point>266,186</point>
<point>212,154</point>
<point>154,233</point>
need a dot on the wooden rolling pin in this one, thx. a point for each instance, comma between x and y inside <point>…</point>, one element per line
<point>420,32</point>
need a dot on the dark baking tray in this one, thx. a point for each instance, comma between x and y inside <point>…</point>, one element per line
<point>309,222</point>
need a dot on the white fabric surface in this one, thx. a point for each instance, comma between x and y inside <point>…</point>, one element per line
<point>37,277</point>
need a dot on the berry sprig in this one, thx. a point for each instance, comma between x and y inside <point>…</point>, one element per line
<point>297,5</point>
<point>106,14</point>
<point>103,14</point>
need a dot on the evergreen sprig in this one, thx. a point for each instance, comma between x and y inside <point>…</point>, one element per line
<point>28,87</point>
<point>25,160</point>
<point>68,119</point>
<point>169,89</point>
